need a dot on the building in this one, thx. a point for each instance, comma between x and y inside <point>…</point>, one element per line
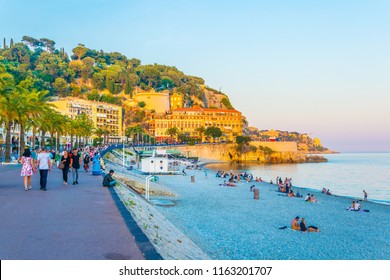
<point>104,115</point>
<point>188,120</point>
<point>176,101</point>
<point>157,101</point>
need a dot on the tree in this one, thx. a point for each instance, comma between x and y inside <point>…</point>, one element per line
<point>32,42</point>
<point>201,130</point>
<point>61,87</point>
<point>79,51</point>
<point>214,132</point>
<point>173,131</point>
<point>47,44</point>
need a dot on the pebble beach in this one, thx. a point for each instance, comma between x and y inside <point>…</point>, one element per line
<point>227,223</point>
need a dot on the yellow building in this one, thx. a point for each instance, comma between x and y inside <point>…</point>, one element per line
<point>176,101</point>
<point>104,115</point>
<point>158,101</point>
<point>188,120</point>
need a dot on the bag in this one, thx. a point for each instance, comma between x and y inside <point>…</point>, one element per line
<point>61,166</point>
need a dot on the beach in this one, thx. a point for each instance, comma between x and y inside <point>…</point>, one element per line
<point>228,224</point>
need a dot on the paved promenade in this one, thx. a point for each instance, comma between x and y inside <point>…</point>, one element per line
<point>80,222</point>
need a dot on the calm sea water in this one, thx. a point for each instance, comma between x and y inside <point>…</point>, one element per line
<point>346,174</point>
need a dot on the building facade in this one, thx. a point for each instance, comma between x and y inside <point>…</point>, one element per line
<point>104,115</point>
<point>176,101</point>
<point>189,120</point>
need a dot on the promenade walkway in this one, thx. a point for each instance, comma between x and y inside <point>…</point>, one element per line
<point>80,222</point>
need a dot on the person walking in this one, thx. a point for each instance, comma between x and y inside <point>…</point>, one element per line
<point>27,169</point>
<point>65,159</point>
<point>365,195</point>
<point>75,165</point>
<point>44,164</point>
<point>86,162</point>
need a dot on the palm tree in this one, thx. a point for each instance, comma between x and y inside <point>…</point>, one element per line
<point>201,130</point>
<point>7,107</point>
<point>172,132</point>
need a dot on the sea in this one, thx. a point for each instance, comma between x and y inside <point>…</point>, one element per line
<point>345,174</point>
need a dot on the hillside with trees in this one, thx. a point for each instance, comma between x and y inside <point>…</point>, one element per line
<point>98,75</point>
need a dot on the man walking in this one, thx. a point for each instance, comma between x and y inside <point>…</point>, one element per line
<point>44,164</point>
<point>75,162</point>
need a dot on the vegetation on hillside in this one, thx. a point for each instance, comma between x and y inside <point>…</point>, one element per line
<point>86,73</point>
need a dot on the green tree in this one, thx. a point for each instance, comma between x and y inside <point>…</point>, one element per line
<point>172,132</point>
<point>214,132</point>
<point>201,130</point>
<point>79,52</point>
<point>61,87</point>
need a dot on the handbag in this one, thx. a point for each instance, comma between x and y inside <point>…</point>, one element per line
<point>61,166</point>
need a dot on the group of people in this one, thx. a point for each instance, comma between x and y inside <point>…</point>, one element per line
<point>44,161</point>
<point>301,226</point>
<point>235,178</point>
<point>310,198</point>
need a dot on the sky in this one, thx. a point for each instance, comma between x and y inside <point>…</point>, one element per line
<point>316,67</point>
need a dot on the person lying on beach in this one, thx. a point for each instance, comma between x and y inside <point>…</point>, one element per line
<point>302,226</point>
<point>294,224</point>
<point>224,183</point>
<point>230,184</point>
<point>291,194</point>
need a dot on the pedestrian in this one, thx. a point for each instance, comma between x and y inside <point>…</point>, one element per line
<point>205,174</point>
<point>65,159</point>
<point>75,165</point>
<point>53,157</point>
<point>27,169</point>
<point>365,195</point>
<point>86,162</point>
<point>44,164</point>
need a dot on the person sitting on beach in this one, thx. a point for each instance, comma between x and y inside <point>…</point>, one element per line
<point>271,182</point>
<point>291,194</point>
<point>298,194</point>
<point>184,172</point>
<point>108,181</point>
<point>357,206</point>
<point>323,190</point>
<point>328,192</point>
<point>251,188</point>
<point>294,224</point>
<point>313,199</point>
<point>352,208</point>
<point>307,198</point>
<point>302,226</point>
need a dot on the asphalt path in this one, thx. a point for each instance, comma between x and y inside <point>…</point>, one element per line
<point>73,222</point>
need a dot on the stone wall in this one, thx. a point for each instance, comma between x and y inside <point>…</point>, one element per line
<point>227,152</point>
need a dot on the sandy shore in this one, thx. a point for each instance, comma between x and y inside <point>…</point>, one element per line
<point>227,223</point>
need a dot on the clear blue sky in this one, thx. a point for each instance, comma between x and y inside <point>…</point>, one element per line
<point>321,67</point>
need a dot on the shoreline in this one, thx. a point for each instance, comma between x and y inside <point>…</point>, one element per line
<point>227,223</point>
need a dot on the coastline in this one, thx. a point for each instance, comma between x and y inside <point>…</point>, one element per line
<point>227,223</point>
